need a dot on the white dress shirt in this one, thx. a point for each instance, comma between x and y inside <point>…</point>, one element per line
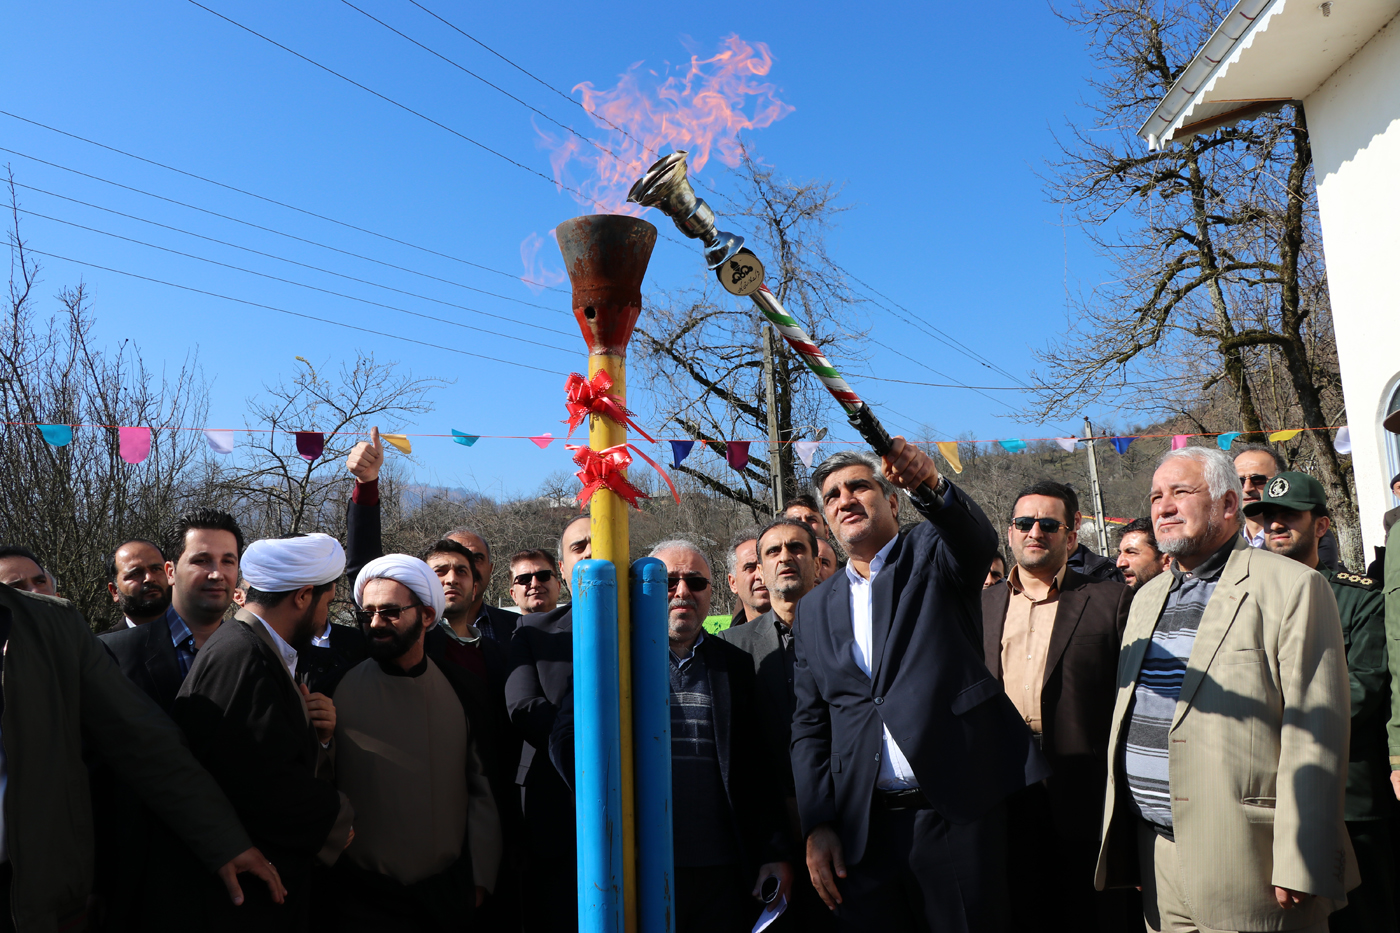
<point>288,653</point>
<point>129,623</point>
<point>322,640</point>
<point>895,772</point>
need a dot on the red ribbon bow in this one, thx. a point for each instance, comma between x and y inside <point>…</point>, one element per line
<point>600,470</point>
<point>591,397</point>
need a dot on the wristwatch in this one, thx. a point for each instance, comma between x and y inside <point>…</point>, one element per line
<point>941,487</point>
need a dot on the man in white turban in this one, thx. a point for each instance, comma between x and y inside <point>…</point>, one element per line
<point>261,734</point>
<point>428,839</point>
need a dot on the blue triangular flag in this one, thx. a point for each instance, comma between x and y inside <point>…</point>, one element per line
<point>1013,446</point>
<point>680,450</point>
<point>1120,444</point>
<point>1225,440</point>
<point>59,435</point>
<point>466,440</point>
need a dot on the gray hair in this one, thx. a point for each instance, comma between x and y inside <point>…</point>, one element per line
<point>848,458</point>
<point>680,544</point>
<point>466,530</point>
<point>1218,466</point>
<point>731,558</point>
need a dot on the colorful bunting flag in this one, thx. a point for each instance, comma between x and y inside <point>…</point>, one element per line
<point>219,440</point>
<point>680,450</point>
<point>1179,441</point>
<point>466,440</point>
<point>399,442</point>
<point>1120,444</point>
<point>1285,435</point>
<point>1343,440</point>
<point>949,450</point>
<point>544,440</point>
<point>737,453</point>
<point>1225,440</point>
<point>1067,443</point>
<point>310,444</point>
<point>1013,446</point>
<point>134,444</point>
<point>806,450</point>
<point>59,435</point>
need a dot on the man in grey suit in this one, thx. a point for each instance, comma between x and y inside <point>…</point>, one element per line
<point>787,551</point>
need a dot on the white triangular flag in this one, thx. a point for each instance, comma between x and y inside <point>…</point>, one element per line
<point>220,441</point>
<point>1343,440</point>
<point>1067,443</point>
<point>806,450</point>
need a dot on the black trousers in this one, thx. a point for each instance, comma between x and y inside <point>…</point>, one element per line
<point>714,899</point>
<point>923,874</point>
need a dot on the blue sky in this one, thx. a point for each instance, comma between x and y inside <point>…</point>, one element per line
<point>935,117</point>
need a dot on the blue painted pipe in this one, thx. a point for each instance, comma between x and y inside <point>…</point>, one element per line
<point>651,735</point>
<point>597,748</point>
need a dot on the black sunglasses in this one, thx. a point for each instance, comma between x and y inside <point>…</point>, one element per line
<point>1256,479</point>
<point>389,613</point>
<point>693,581</point>
<point>1047,525</point>
<point>540,576</point>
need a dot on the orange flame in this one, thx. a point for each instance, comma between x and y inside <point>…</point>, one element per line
<point>702,111</point>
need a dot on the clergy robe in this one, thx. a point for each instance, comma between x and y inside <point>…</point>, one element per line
<point>426,831</point>
<point>247,724</point>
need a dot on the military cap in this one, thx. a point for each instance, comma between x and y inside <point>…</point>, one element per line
<point>1297,491</point>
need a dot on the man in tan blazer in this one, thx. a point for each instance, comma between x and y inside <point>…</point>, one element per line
<point>1230,729</point>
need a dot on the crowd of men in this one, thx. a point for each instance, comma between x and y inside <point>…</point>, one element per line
<point>934,735</point>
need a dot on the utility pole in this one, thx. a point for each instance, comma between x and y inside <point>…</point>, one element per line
<point>1094,486</point>
<point>775,462</point>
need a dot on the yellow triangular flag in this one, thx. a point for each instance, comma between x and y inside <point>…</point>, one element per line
<point>1285,435</point>
<point>949,450</point>
<point>398,441</point>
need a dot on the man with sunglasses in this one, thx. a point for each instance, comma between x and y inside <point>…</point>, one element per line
<point>1051,636</point>
<point>534,581</point>
<point>1255,465</point>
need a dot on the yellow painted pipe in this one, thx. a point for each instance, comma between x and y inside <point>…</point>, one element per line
<point>610,542</point>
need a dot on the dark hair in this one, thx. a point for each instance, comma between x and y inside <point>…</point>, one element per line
<point>565,529</point>
<point>271,600</point>
<point>112,561</point>
<point>1143,525</point>
<point>1053,490</point>
<point>19,550</point>
<point>779,523</point>
<point>998,556</point>
<point>449,546</point>
<point>534,553</point>
<point>806,501</point>
<point>1279,465</point>
<point>1395,479</point>
<point>203,519</point>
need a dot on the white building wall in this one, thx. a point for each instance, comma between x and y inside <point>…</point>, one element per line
<point>1354,122</point>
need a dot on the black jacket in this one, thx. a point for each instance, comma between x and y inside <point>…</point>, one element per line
<point>1077,695</point>
<point>324,667</point>
<point>146,656</point>
<point>967,745</point>
<point>541,676</point>
<point>1094,566</point>
<point>775,698</point>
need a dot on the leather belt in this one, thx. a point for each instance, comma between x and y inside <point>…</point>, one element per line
<point>908,799</point>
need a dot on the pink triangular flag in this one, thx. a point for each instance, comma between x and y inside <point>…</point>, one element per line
<point>134,444</point>
<point>1179,441</point>
<point>737,453</point>
<point>220,441</point>
<point>806,450</point>
<point>544,440</point>
<point>1067,443</point>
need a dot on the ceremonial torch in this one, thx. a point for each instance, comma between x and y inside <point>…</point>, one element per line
<point>666,188</point>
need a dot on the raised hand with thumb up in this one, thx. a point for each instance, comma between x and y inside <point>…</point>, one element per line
<point>366,458</point>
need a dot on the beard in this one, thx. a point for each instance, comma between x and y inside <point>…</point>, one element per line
<point>305,628</point>
<point>397,645</point>
<point>1191,545</point>
<point>1296,548</point>
<point>139,606</point>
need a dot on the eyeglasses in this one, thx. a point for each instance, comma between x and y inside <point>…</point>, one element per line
<point>539,576</point>
<point>693,582</point>
<point>1253,479</point>
<point>1047,525</point>
<point>389,613</point>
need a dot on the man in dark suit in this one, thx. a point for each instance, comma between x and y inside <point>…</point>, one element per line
<point>138,583</point>
<point>786,553</point>
<point>1051,635</point>
<point>904,746</point>
<point>260,733</point>
<point>330,653</point>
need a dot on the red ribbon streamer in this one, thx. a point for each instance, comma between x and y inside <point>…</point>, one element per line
<point>604,470</point>
<point>591,397</point>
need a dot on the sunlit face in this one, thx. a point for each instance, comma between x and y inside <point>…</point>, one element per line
<point>576,545</point>
<point>21,573</point>
<point>1292,533</point>
<point>484,565</point>
<point>202,582</point>
<point>458,582</point>
<point>746,582</point>
<point>534,595</point>
<point>1251,464</point>
<point>787,562</point>
<point>142,588</point>
<point>826,559</point>
<point>1184,516</point>
<point>390,639</point>
<point>689,602</point>
<point>1038,549</point>
<point>1138,560</point>
<point>857,510</point>
<point>805,515</point>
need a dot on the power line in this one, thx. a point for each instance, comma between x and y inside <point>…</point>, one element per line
<point>274,201</point>
<point>290,236</point>
<point>255,252</point>
<point>309,317</point>
<point>275,278</point>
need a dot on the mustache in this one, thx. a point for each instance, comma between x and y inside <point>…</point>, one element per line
<point>682,602</point>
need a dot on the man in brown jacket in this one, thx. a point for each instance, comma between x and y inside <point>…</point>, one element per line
<point>1051,636</point>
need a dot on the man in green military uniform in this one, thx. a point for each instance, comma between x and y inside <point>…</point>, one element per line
<point>1293,514</point>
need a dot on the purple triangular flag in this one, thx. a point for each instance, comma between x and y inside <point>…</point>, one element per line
<point>737,453</point>
<point>310,444</point>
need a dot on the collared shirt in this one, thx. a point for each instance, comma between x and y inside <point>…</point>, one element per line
<point>473,633</point>
<point>129,623</point>
<point>183,639</point>
<point>1257,540</point>
<point>288,653</point>
<point>1025,644</point>
<point>895,772</point>
<point>683,663</point>
<point>322,640</point>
